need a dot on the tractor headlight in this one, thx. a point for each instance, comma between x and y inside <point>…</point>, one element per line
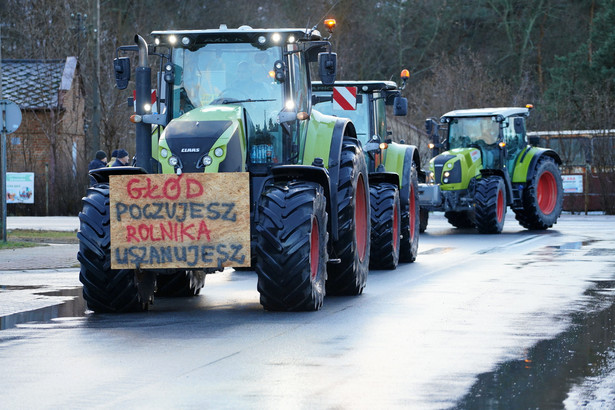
<point>173,161</point>
<point>164,153</point>
<point>206,160</point>
<point>218,152</point>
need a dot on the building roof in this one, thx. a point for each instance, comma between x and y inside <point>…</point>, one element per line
<point>36,84</point>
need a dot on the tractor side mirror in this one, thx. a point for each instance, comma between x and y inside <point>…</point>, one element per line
<point>389,97</point>
<point>121,66</point>
<point>400,106</point>
<point>519,126</point>
<point>327,67</point>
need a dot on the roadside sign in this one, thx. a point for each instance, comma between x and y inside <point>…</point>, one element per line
<point>572,184</point>
<point>10,116</point>
<point>20,187</point>
<point>344,98</point>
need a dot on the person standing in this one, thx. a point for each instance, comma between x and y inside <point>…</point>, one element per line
<point>99,161</point>
<point>122,159</point>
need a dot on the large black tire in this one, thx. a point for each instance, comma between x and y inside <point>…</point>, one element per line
<point>490,204</point>
<point>460,219</point>
<point>182,283</point>
<point>386,226</point>
<point>291,249</point>
<point>352,248</point>
<point>542,198</point>
<point>104,289</point>
<point>410,220</point>
<point>424,220</point>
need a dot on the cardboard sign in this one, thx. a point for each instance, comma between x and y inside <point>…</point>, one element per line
<point>180,221</point>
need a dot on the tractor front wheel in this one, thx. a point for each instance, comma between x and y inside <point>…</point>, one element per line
<point>106,290</point>
<point>460,219</point>
<point>385,219</point>
<point>542,198</point>
<point>490,204</point>
<point>291,249</point>
<point>349,276</point>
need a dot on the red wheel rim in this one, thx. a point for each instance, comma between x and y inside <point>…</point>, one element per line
<point>546,192</point>
<point>412,213</point>
<point>500,206</point>
<point>314,249</point>
<point>360,217</point>
<point>395,227</point>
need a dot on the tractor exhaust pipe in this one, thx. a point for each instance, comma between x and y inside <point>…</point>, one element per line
<point>143,94</point>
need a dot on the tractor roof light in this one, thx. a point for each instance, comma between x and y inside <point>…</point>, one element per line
<point>291,39</point>
<point>330,24</point>
<point>185,40</point>
<point>261,40</point>
<point>431,145</point>
<point>172,39</point>
<point>529,106</point>
<point>276,37</point>
<point>157,41</point>
<point>405,75</point>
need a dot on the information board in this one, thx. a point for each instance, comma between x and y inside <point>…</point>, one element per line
<point>572,184</point>
<point>20,187</point>
<point>180,221</point>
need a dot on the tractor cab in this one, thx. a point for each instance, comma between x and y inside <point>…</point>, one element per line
<point>234,99</point>
<point>498,134</point>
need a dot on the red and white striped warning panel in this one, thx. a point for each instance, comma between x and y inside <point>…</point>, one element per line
<point>344,98</point>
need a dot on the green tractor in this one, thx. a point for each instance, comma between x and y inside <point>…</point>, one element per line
<point>393,167</point>
<point>231,101</point>
<point>489,164</point>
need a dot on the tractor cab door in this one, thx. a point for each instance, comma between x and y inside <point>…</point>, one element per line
<point>513,130</point>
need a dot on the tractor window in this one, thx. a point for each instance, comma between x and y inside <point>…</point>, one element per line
<point>479,131</point>
<point>359,116</point>
<point>381,121</point>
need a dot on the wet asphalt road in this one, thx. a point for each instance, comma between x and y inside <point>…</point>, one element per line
<point>522,319</point>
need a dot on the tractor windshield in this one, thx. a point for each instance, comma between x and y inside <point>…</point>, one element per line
<point>227,73</point>
<point>480,132</point>
<point>359,116</point>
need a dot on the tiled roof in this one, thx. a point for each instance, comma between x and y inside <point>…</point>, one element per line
<point>35,84</point>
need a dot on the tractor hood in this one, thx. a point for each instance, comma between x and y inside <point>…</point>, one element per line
<point>455,168</point>
<point>206,139</point>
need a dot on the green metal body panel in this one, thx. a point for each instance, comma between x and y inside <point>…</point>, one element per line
<point>318,140</point>
<point>523,162</point>
<point>233,113</point>
<point>469,160</point>
<point>393,161</point>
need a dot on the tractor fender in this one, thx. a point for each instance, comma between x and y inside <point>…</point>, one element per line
<point>379,177</point>
<point>399,159</point>
<point>101,175</point>
<point>525,166</point>
<point>504,175</point>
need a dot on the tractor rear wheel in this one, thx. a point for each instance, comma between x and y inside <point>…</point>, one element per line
<point>410,219</point>
<point>542,198</point>
<point>385,220</point>
<point>460,219</point>
<point>490,204</point>
<point>349,276</point>
<point>105,289</point>
<point>291,249</point>
<point>181,283</point>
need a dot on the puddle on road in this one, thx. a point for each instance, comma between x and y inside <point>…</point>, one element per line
<point>550,369</point>
<point>74,307</point>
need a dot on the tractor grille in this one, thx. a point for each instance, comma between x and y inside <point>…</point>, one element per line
<point>438,163</point>
<point>190,140</point>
